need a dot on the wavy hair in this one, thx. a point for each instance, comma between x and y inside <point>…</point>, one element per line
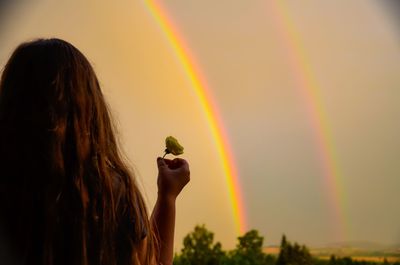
<point>66,195</point>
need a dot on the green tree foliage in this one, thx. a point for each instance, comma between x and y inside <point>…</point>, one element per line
<point>293,254</point>
<point>249,250</point>
<point>199,249</point>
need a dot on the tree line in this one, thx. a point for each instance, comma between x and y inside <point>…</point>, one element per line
<point>199,248</point>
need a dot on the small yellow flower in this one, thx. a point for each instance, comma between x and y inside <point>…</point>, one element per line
<point>172,146</point>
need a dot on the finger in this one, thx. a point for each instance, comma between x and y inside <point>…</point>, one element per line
<point>161,163</point>
<point>181,164</point>
<point>170,164</point>
<point>167,161</point>
<point>179,161</point>
<point>174,164</point>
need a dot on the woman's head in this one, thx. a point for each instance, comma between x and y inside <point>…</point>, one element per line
<point>49,92</point>
<point>65,187</point>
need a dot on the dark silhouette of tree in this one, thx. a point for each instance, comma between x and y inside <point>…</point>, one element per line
<point>293,254</point>
<point>385,262</point>
<point>269,260</point>
<point>332,260</point>
<point>249,250</point>
<point>284,253</point>
<point>199,249</point>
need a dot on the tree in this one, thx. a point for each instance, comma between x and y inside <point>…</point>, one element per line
<point>199,249</point>
<point>332,260</point>
<point>284,253</point>
<point>249,250</point>
<point>293,254</point>
<point>385,261</point>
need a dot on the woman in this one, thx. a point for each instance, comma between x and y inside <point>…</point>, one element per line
<point>66,196</point>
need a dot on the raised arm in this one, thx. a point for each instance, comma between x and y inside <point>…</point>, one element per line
<point>173,175</point>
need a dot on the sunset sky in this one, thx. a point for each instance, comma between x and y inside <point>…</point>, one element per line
<point>308,94</point>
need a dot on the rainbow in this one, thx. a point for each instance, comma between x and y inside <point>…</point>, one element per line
<point>199,84</point>
<point>310,90</point>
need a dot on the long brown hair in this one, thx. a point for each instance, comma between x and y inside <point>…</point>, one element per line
<point>66,195</point>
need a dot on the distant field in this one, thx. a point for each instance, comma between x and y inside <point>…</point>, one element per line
<point>271,250</point>
<point>354,253</point>
<point>390,259</point>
